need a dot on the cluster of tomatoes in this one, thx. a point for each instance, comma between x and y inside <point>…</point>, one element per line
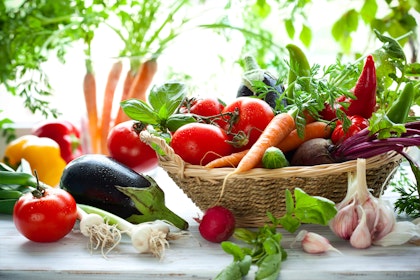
<point>227,129</point>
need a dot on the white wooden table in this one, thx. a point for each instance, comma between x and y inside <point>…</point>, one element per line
<point>192,257</point>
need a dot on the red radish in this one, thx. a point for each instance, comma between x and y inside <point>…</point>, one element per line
<point>217,224</point>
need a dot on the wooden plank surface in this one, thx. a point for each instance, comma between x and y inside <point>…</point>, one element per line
<point>191,257</point>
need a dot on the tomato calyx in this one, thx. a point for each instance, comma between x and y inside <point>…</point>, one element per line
<point>139,127</point>
<point>39,191</point>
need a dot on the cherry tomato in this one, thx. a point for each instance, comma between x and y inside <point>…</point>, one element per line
<point>200,143</point>
<point>207,107</point>
<point>46,217</point>
<point>125,146</point>
<point>253,116</point>
<point>357,124</point>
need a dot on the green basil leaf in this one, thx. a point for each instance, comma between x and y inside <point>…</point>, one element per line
<point>290,223</point>
<point>245,235</point>
<point>166,98</point>
<point>313,209</point>
<point>233,249</point>
<point>175,121</point>
<point>140,111</point>
<point>290,204</point>
<point>269,267</point>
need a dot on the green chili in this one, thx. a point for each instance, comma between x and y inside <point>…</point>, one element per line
<point>299,71</point>
<point>400,108</point>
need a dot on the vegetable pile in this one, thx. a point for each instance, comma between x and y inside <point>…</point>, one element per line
<point>348,112</point>
<point>359,109</point>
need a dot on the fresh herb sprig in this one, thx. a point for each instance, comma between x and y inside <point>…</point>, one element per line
<point>264,245</point>
<point>408,201</point>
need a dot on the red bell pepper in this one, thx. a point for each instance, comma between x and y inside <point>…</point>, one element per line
<point>364,91</point>
<point>339,133</point>
<point>65,134</point>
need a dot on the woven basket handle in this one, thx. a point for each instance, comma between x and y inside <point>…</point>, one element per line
<point>170,154</point>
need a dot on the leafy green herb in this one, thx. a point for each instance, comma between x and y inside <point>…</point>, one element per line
<point>408,201</point>
<point>264,244</point>
<point>163,101</point>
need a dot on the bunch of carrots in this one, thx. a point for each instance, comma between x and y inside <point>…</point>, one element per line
<point>136,83</point>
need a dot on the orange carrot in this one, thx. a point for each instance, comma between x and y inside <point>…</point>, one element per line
<point>128,81</point>
<point>141,82</point>
<point>89,89</point>
<point>231,160</point>
<point>316,129</point>
<point>112,81</point>
<point>278,129</point>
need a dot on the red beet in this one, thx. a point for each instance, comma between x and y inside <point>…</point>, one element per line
<point>217,224</point>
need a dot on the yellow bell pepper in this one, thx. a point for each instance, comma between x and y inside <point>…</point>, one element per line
<point>43,155</point>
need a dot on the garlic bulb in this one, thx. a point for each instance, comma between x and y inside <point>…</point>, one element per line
<point>361,217</point>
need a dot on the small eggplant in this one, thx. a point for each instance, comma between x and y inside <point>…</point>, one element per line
<point>92,178</point>
<point>100,181</point>
<point>254,73</point>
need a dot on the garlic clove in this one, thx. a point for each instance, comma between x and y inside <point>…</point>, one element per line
<point>314,243</point>
<point>345,221</point>
<point>370,208</point>
<point>385,220</point>
<point>361,238</point>
<point>401,233</point>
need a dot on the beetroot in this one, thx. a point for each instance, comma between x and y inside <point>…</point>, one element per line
<point>217,224</point>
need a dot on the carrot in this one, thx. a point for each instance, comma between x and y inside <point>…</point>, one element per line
<point>128,81</point>
<point>112,81</point>
<point>316,129</point>
<point>278,129</point>
<point>141,82</point>
<point>227,161</point>
<point>89,89</point>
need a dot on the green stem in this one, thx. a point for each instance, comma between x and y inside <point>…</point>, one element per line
<point>150,202</point>
<point>168,19</point>
<point>112,219</point>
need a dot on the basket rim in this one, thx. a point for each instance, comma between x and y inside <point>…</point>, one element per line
<point>173,163</point>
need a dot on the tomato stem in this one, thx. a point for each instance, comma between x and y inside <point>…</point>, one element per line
<point>40,190</point>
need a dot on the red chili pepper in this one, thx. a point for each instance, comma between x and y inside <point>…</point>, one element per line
<point>339,134</point>
<point>365,92</point>
<point>65,134</point>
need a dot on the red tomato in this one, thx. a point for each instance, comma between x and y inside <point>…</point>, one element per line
<point>200,143</point>
<point>47,218</point>
<point>254,116</point>
<point>357,124</point>
<point>125,146</point>
<point>207,107</point>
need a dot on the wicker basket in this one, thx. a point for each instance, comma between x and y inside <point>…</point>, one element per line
<point>251,194</point>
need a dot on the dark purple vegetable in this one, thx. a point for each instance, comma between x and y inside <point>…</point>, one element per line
<point>365,145</point>
<point>253,75</point>
<point>92,179</point>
